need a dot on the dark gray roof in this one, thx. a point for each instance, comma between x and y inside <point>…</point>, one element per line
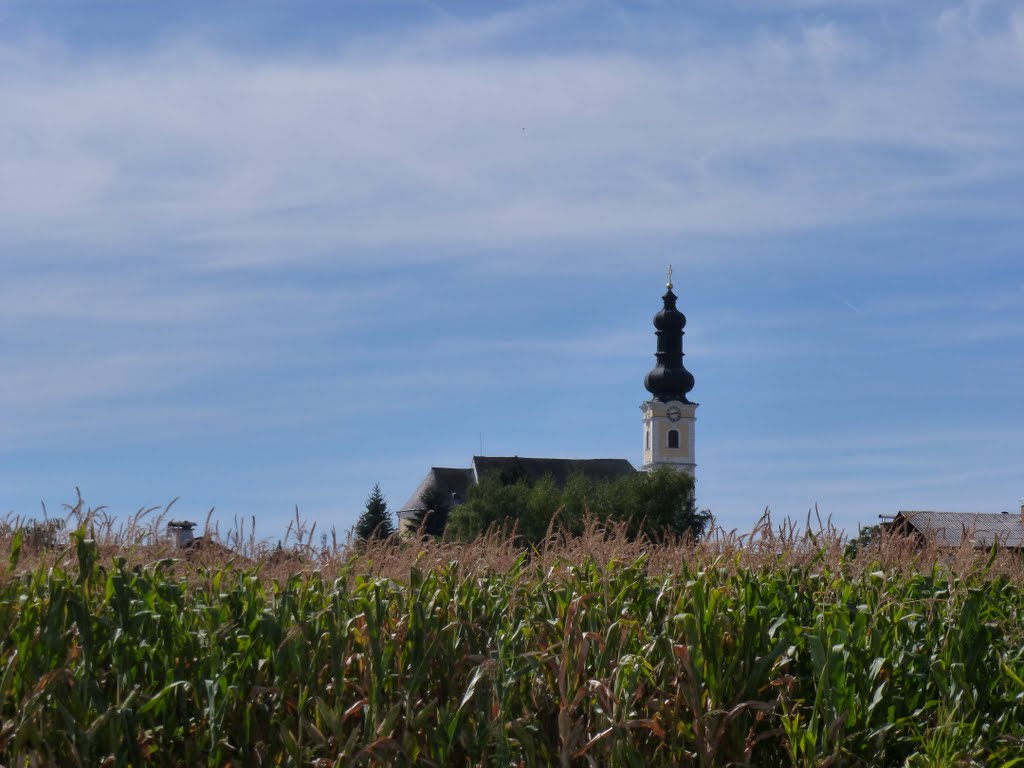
<point>560,470</point>
<point>454,480</point>
<point>446,479</point>
<point>982,528</point>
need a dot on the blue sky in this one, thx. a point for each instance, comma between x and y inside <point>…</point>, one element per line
<point>260,255</point>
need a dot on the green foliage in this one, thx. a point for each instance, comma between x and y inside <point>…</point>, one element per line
<point>572,664</point>
<point>657,504</point>
<point>865,535</point>
<point>375,522</point>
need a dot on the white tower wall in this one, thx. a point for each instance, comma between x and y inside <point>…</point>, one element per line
<point>659,420</point>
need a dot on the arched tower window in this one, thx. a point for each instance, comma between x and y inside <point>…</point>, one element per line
<point>673,438</point>
<point>647,442</point>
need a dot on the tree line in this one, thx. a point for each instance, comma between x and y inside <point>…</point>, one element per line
<point>658,504</point>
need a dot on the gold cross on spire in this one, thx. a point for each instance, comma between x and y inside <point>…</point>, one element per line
<point>669,286</point>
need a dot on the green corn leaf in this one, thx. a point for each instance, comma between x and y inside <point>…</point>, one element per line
<point>16,541</point>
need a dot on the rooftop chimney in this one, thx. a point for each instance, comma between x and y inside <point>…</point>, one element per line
<point>182,532</point>
<point>1022,510</point>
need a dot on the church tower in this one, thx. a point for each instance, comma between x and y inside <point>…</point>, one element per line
<point>669,417</point>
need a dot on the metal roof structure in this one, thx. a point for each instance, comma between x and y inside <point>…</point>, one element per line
<point>949,529</point>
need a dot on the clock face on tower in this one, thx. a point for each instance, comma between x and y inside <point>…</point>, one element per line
<point>674,414</point>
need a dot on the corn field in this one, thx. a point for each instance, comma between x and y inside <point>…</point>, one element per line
<point>774,650</point>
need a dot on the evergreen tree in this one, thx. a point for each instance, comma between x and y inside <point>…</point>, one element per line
<point>375,522</point>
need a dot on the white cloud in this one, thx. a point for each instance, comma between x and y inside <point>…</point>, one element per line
<point>287,157</point>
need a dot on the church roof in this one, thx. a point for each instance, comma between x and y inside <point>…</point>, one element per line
<point>457,481</point>
<point>560,470</point>
<point>447,480</point>
<point>948,529</point>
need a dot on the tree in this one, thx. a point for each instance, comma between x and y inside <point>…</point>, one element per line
<point>495,502</point>
<point>375,522</point>
<point>432,517</point>
<point>658,504</point>
<point>866,536</point>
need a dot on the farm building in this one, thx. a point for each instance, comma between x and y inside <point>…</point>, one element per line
<point>950,529</point>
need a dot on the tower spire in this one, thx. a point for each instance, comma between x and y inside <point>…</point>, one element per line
<point>669,379</point>
<point>669,418</point>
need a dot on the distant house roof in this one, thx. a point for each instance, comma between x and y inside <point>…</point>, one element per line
<point>948,529</point>
<point>451,481</point>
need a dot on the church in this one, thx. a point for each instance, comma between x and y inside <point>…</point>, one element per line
<point>669,418</point>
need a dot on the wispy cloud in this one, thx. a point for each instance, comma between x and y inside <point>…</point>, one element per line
<point>91,352</point>
<point>457,144</point>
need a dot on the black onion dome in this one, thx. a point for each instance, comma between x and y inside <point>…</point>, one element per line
<point>669,380</point>
<point>670,318</point>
